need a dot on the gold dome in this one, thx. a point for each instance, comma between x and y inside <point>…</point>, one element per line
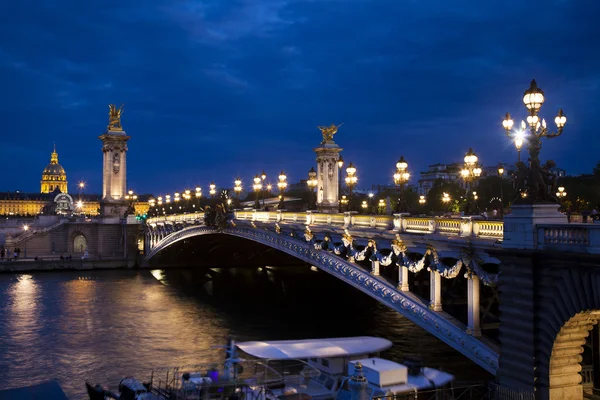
<point>54,176</point>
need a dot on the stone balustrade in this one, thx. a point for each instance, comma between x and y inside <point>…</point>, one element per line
<point>398,223</point>
<point>578,238</point>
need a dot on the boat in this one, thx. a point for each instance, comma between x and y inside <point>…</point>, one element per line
<point>340,360</point>
<point>319,369</point>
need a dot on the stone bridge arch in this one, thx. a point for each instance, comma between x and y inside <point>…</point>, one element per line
<point>549,303</point>
<point>440,324</point>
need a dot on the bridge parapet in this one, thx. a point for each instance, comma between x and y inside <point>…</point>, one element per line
<point>577,238</point>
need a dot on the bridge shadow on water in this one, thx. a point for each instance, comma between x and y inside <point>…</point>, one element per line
<point>275,296</point>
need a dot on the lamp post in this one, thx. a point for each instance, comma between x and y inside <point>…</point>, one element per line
<point>340,164</point>
<point>237,188</point>
<point>422,200</point>
<point>263,177</point>
<point>212,190</point>
<point>364,206</point>
<point>177,199</point>
<point>344,201</point>
<point>381,206</point>
<point>470,173</point>
<point>26,229</point>
<point>257,188</point>
<point>131,197</point>
<point>159,204</point>
<point>533,99</point>
<point>312,183</point>
<point>371,195</point>
<point>560,195</point>
<point>282,184</point>
<point>198,196</point>
<point>351,180</point>
<point>81,186</point>
<point>501,175</point>
<point>519,139</point>
<point>400,178</point>
<point>152,204</point>
<point>446,199</point>
<point>187,195</point>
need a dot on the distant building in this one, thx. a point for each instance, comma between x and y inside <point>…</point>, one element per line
<point>54,197</point>
<point>447,172</point>
<point>298,186</point>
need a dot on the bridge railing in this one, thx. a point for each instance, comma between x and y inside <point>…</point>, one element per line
<point>579,238</point>
<point>465,226</point>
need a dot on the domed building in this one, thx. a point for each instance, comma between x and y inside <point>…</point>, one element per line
<point>54,176</point>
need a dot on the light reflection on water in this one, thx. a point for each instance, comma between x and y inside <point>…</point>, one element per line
<point>104,325</point>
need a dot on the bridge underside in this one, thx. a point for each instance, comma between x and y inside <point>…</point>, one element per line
<point>221,251</point>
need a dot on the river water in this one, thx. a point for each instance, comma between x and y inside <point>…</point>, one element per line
<point>103,325</point>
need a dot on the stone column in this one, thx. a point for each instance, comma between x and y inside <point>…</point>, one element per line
<point>114,175</point>
<point>375,267</point>
<point>403,278</point>
<point>435,291</point>
<point>473,326</point>
<point>328,154</point>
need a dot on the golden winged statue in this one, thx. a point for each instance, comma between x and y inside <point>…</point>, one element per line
<point>329,131</point>
<point>114,117</point>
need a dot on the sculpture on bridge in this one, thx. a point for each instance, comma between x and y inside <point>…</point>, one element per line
<point>114,117</point>
<point>328,132</point>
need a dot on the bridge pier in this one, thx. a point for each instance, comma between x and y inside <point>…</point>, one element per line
<point>473,326</point>
<point>435,291</point>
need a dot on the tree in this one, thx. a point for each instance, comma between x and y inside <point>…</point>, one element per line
<point>435,194</point>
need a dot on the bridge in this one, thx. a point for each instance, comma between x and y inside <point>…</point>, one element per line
<point>557,279</point>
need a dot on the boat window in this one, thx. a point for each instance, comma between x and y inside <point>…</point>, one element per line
<point>325,362</point>
<point>314,359</point>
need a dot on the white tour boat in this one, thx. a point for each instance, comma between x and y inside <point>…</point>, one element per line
<point>320,369</point>
<point>331,365</point>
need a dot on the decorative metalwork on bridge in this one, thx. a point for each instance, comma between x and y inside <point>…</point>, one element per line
<point>340,261</point>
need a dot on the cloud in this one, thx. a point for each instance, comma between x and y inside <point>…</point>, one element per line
<point>248,81</point>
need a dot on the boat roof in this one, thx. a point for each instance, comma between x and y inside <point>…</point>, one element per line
<point>311,348</point>
<point>379,364</point>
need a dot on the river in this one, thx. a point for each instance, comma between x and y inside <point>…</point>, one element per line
<point>103,325</point>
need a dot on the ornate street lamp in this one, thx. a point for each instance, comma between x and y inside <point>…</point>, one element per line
<point>381,206</point>
<point>340,164</point>
<point>282,184</point>
<point>501,175</point>
<point>470,173</point>
<point>344,201</point>
<point>519,139</point>
<point>131,197</point>
<point>238,187</point>
<point>351,180</point>
<point>312,183</point>
<point>401,177</point>
<point>257,188</point>
<point>446,199</point>
<point>364,206</point>
<point>212,189</point>
<point>422,200</point>
<point>263,176</point>
<point>561,192</point>
<point>537,186</point>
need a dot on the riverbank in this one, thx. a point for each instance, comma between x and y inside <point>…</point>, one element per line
<point>30,265</point>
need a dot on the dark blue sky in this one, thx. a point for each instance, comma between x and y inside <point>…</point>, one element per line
<point>215,89</point>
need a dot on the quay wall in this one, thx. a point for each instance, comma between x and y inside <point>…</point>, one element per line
<point>65,265</point>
